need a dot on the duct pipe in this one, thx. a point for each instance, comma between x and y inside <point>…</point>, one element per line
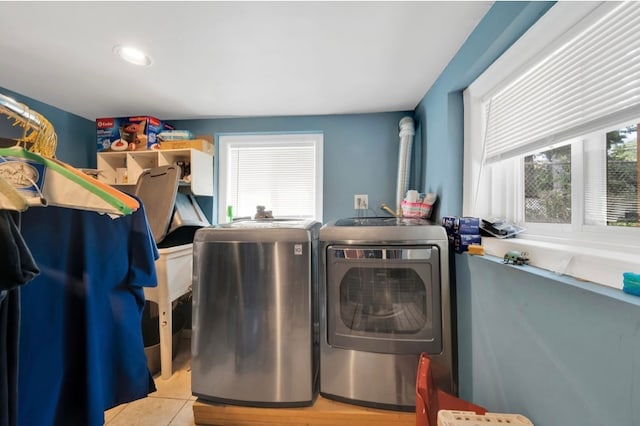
<point>407,131</point>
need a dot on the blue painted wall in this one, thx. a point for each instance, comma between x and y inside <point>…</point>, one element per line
<point>76,135</point>
<point>558,351</point>
<point>441,114</point>
<point>360,153</point>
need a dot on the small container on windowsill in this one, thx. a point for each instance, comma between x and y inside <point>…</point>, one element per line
<point>631,283</point>
<point>476,249</point>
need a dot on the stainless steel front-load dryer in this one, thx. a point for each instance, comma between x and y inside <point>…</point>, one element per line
<point>384,299</point>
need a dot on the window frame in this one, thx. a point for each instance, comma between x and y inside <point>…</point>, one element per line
<point>594,253</point>
<point>226,141</point>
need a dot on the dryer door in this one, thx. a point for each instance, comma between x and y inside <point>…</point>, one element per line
<point>384,299</point>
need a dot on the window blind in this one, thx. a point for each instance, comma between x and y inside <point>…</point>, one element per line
<point>588,83</point>
<point>281,178</point>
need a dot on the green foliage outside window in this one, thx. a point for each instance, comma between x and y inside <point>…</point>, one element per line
<point>548,186</point>
<point>622,177</point>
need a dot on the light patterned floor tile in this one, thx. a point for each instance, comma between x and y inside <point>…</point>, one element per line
<point>110,414</point>
<point>185,416</point>
<point>179,384</point>
<point>148,412</point>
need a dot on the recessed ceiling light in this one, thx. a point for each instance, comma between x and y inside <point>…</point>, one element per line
<point>132,55</point>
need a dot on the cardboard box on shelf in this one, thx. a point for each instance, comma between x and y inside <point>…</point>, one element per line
<point>200,143</point>
<point>174,135</point>
<point>127,133</point>
<point>167,126</point>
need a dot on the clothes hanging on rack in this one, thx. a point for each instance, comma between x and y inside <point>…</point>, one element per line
<point>17,267</point>
<point>81,347</point>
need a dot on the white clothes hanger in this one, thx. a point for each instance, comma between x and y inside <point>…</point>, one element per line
<point>47,181</point>
<point>10,198</point>
<point>44,180</point>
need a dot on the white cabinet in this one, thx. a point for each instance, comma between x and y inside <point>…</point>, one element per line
<point>124,168</point>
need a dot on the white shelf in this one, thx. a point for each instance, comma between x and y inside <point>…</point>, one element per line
<point>135,162</point>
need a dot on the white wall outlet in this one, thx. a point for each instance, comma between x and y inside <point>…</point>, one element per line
<point>361,202</point>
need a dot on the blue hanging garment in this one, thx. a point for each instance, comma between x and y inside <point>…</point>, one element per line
<point>81,348</point>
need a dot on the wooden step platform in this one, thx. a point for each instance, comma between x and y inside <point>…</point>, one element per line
<point>324,412</point>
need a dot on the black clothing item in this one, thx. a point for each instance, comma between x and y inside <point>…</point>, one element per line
<point>17,267</point>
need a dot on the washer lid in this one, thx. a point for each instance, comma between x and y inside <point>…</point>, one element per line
<point>269,223</point>
<point>261,230</point>
<point>157,189</point>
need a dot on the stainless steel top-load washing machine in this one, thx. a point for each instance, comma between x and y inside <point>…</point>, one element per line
<point>255,316</point>
<point>384,299</point>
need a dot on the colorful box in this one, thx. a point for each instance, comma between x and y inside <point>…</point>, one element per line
<point>449,223</point>
<point>167,126</point>
<point>137,133</point>
<point>461,242</point>
<point>461,225</point>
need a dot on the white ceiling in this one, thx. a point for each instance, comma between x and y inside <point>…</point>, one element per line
<point>225,59</point>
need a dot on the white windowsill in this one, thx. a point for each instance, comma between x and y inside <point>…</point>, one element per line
<point>589,286</point>
<point>597,265</point>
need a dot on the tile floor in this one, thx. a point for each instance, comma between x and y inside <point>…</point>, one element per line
<point>172,402</point>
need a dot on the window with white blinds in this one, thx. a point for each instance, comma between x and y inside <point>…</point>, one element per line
<point>588,82</point>
<point>283,173</point>
<point>551,142</point>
